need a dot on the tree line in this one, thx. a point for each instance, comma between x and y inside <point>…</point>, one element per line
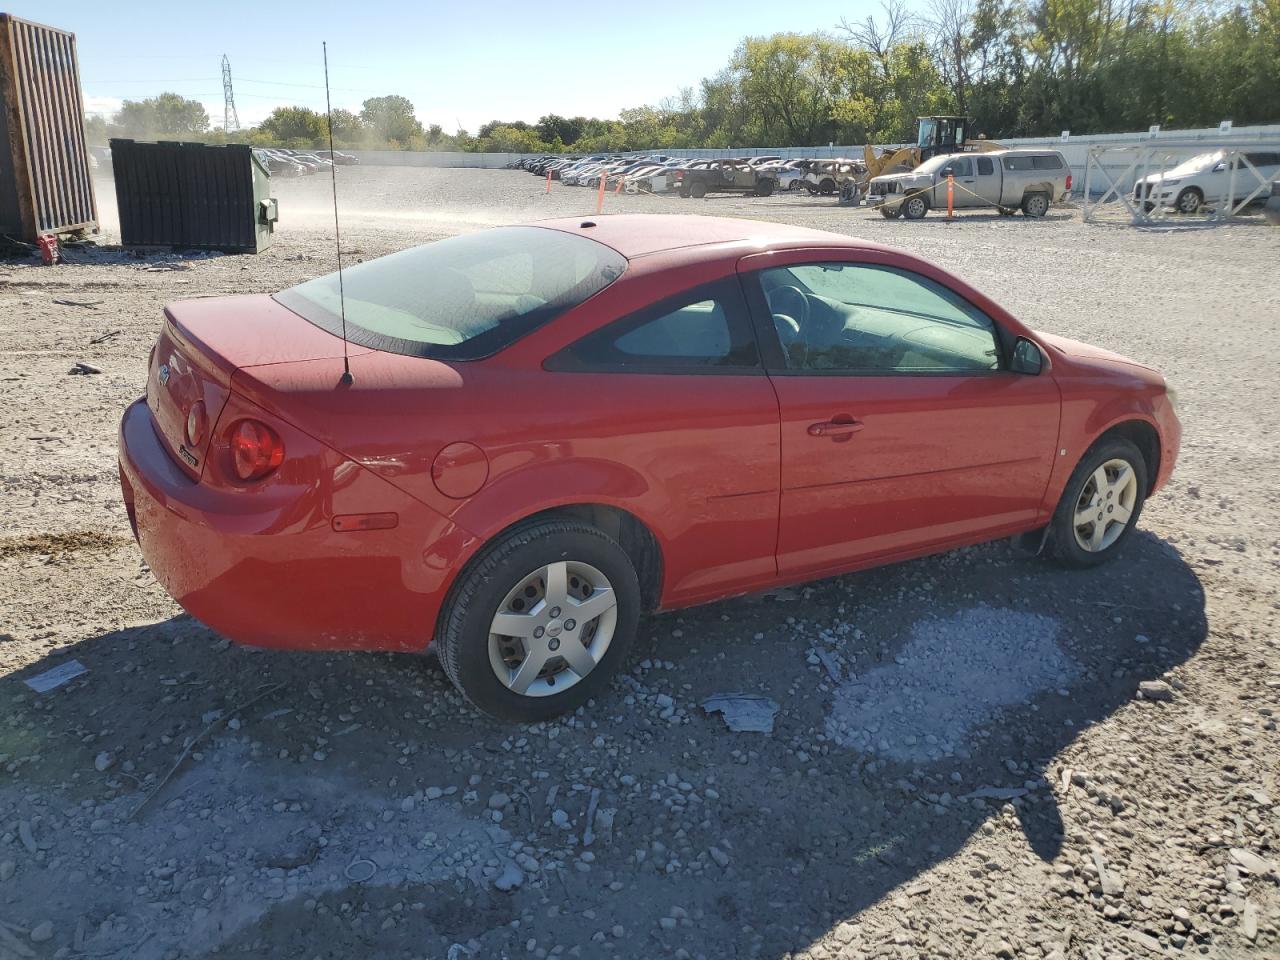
<point>1018,67</point>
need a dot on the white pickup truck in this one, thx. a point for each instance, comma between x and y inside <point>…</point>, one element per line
<point>1009,180</point>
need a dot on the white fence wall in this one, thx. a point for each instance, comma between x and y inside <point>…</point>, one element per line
<point>1074,148</point>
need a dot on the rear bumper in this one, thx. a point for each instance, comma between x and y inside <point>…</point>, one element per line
<point>266,568</point>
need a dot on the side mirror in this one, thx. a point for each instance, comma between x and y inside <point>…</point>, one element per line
<point>948,172</point>
<point>1220,167</point>
<point>1026,358</point>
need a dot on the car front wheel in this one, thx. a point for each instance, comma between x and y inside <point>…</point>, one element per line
<point>915,207</point>
<point>1189,200</point>
<point>1100,505</point>
<point>541,621</point>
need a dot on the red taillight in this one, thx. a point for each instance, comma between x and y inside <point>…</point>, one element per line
<point>256,449</point>
<point>197,424</point>
<point>1068,181</point>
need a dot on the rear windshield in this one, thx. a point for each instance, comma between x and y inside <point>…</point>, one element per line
<point>462,298</point>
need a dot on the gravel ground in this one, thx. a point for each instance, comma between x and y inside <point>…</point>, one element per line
<point>962,764</point>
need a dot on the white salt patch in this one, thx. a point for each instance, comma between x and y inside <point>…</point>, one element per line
<point>953,675</point>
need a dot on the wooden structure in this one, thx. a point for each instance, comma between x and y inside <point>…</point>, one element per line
<point>46,182</point>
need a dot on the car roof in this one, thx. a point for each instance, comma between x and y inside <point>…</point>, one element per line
<point>637,235</point>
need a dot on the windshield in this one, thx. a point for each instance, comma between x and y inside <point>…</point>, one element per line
<point>1199,162</point>
<point>462,298</point>
<point>934,164</point>
<point>924,136</point>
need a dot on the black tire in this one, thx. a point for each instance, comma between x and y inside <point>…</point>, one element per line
<point>915,206</point>
<point>1063,544</point>
<point>827,187</point>
<point>1189,200</point>
<point>891,213</point>
<point>1035,205</point>
<point>698,190</point>
<point>462,637</point>
<point>765,188</point>
<point>1006,211</point>
<point>684,191</point>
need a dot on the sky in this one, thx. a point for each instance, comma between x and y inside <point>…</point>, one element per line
<point>460,63</point>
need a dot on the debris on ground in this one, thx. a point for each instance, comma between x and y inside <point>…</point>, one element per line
<point>56,677</point>
<point>743,712</point>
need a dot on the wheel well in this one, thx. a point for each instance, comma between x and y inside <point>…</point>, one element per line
<point>1143,436</point>
<point>631,533</point>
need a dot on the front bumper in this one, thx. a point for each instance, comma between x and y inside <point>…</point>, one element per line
<point>265,566</point>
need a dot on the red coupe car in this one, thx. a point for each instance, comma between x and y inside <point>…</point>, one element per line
<point>550,429</point>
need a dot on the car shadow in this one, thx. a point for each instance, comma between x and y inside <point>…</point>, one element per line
<point>765,842</point>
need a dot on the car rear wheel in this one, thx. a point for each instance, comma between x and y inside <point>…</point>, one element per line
<point>541,621</point>
<point>1100,505</point>
<point>915,207</point>
<point>764,188</point>
<point>891,213</point>
<point>1035,205</point>
<point>698,190</point>
<point>1189,200</point>
<point>684,191</point>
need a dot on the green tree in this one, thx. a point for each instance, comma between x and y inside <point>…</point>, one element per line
<point>167,115</point>
<point>391,119</point>
<point>299,126</point>
<point>95,129</point>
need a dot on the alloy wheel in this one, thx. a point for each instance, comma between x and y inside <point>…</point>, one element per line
<point>553,628</point>
<point>1105,505</point>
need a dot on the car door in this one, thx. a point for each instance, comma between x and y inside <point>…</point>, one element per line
<point>966,183</point>
<point>986,181</point>
<point>902,427</point>
<point>677,394</point>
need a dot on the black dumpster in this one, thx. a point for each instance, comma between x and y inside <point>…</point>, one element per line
<point>192,195</point>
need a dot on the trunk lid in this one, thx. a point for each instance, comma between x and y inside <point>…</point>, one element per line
<point>202,343</point>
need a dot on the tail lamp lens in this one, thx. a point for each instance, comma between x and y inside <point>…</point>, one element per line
<point>1068,181</point>
<point>256,449</point>
<point>197,423</point>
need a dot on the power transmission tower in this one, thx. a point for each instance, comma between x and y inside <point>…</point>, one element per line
<point>230,120</point>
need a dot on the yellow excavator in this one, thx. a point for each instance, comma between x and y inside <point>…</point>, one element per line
<point>934,135</point>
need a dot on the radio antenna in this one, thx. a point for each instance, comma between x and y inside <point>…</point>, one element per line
<point>337,235</point>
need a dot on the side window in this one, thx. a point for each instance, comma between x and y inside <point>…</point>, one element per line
<point>961,167</point>
<point>1047,162</point>
<point>702,329</point>
<point>985,167</point>
<point>864,319</point>
<point>1017,163</point>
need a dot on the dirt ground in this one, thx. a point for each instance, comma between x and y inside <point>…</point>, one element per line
<point>960,766</point>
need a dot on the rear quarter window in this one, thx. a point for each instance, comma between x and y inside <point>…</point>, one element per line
<point>462,298</point>
<point>1047,162</point>
<point>1018,163</point>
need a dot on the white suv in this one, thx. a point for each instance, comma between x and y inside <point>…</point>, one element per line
<point>1207,179</point>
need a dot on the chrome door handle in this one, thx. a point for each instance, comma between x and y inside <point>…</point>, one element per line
<point>837,427</point>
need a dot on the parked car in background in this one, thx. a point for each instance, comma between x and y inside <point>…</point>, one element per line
<point>1207,179</point>
<point>791,173</point>
<point>551,429</point>
<point>320,163</point>
<point>1009,180</point>
<point>281,165</point>
<point>827,176</point>
<point>727,175</point>
<point>338,157</point>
